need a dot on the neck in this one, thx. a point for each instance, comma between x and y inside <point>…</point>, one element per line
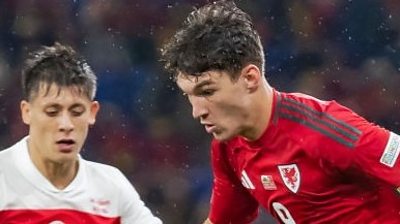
<point>60,174</point>
<point>260,119</point>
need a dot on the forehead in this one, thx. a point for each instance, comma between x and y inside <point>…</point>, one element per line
<point>47,92</point>
<point>188,83</point>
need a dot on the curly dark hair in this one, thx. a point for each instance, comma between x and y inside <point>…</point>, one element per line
<point>217,36</point>
<point>58,64</point>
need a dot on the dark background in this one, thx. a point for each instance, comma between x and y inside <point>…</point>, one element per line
<point>333,49</point>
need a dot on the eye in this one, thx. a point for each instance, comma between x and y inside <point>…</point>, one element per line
<point>206,92</point>
<point>51,113</point>
<point>77,112</point>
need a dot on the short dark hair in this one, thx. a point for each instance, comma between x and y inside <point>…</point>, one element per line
<point>217,36</point>
<point>58,64</point>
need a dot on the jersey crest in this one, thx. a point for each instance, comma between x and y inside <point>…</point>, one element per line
<point>291,176</point>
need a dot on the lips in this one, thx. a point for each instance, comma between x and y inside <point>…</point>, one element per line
<point>209,128</point>
<point>65,145</point>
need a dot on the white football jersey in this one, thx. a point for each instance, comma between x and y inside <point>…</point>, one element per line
<point>99,194</point>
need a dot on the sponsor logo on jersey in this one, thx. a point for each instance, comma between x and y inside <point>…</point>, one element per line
<point>246,181</point>
<point>392,150</point>
<point>268,182</point>
<point>291,176</point>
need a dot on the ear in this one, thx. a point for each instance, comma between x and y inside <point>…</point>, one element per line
<point>94,108</point>
<point>251,76</point>
<point>25,112</point>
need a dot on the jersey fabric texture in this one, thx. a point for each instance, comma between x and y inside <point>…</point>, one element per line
<point>317,162</point>
<point>99,194</point>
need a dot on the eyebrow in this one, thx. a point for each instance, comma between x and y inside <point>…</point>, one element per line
<point>56,105</point>
<point>76,105</point>
<point>48,105</point>
<point>201,84</point>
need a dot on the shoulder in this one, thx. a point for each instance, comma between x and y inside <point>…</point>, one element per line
<point>304,109</point>
<point>301,101</point>
<point>307,117</point>
<point>7,155</point>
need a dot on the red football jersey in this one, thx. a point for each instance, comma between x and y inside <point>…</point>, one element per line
<point>317,162</point>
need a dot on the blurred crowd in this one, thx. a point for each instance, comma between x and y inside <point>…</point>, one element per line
<point>346,51</point>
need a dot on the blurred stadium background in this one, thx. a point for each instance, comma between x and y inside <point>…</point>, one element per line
<point>332,49</point>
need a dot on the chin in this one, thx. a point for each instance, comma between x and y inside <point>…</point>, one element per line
<point>223,136</point>
<point>69,157</point>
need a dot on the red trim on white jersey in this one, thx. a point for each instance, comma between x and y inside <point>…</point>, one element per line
<point>53,216</point>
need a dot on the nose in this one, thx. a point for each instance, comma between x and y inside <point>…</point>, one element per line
<point>65,123</point>
<point>199,109</point>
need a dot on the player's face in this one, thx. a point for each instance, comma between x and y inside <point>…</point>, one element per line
<point>58,122</point>
<point>217,101</point>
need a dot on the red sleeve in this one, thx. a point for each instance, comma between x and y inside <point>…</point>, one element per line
<point>230,202</point>
<point>374,150</point>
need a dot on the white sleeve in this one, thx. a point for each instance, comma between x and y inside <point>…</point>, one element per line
<point>133,209</point>
<point>2,190</point>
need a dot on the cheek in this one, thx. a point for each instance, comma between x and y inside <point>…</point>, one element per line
<point>81,123</point>
<point>228,111</point>
<point>42,123</point>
